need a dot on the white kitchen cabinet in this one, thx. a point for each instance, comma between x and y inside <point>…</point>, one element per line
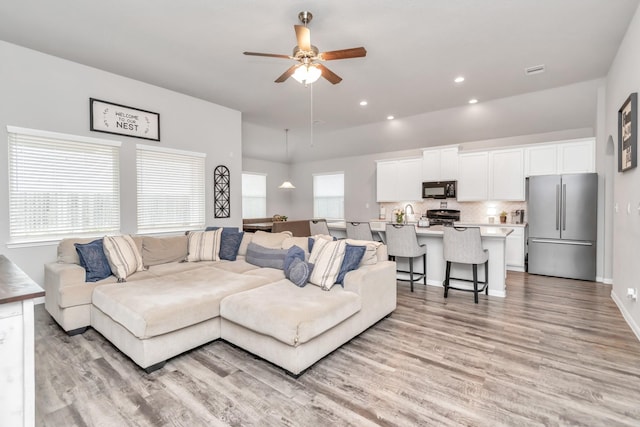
<point>473,176</point>
<point>577,156</point>
<point>386,178</point>
<point>516,249</point>
<point>440,164</point>
<point>399,180</point>
<point>506,175</point>
<point>541,160</point>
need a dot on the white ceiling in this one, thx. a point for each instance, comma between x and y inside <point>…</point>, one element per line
<point>415,48</point>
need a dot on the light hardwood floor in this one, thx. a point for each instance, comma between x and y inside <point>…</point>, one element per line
<point>554,352</point>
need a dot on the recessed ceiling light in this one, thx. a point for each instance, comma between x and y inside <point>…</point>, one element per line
<point>473,101</point>
<point>459,79</point>
<point>363,103</point>
<point>390,117</point>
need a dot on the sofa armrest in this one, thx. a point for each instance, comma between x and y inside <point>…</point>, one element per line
<point>380,275</point>
<point>58,275</point>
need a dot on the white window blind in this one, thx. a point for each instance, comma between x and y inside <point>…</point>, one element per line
<point>61,185</point>
<point>254,195</point>
<point>328,195</point>
<point>171,189</point>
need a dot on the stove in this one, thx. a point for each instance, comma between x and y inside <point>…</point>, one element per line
<point>444,217</point>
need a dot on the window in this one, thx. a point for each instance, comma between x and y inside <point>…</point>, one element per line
<point>170,189</point>
<point>254,195</point>
<point>61,185</point>
<point>328,196</point>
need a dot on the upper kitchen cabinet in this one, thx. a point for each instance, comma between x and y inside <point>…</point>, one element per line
<point>440,164</point>
<point>491,175</point>
<point>399,180</point>
<point>506,175</point>
<point>473,176</point>
<point>559,158</point>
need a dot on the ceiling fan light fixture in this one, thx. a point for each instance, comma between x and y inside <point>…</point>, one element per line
<point>307,74</point>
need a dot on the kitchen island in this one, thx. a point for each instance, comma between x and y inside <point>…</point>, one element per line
<point>493,239</point>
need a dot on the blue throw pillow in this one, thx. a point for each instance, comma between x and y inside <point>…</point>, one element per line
<point>230,244</point>
<point>299,272</point>
<point>265,257</point>
<point>93,260</point>
<point>293,253</point>
<point>352,257</point>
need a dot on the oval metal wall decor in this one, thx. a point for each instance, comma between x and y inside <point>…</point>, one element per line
<point>221,192</point>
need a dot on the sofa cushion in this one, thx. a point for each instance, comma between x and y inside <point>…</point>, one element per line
<point>93,260</point>
<point>269,310</point>
<point>301,242</point>
<point>352,257</point>
<point>178,300</point>
<point>265,257</point>
<point>204,245</point>
<point>327,257</point>
<point>161,250</point>
<point>123,255</point>
<point>67,253</point>
<point>270,240</point>
<point>298,272</point>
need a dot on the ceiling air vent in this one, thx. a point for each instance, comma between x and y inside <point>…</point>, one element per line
<point>536,69</point>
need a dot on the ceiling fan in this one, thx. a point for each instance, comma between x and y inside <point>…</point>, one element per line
<point>308,69</point>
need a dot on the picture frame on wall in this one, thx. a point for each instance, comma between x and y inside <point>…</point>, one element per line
<point>628,134</point>
<point>117,119</point>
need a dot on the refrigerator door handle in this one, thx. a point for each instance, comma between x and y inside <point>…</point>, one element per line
<point>564,207</point>
<point>562,242</point>
<point>558,207</point>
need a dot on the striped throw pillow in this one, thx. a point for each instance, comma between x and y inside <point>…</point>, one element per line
<point>204,245</point>
<point>123,256</point>
<point>327,257</point>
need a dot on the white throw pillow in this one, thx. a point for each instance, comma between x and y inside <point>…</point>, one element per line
<point>123,256</point>
<point>327,257</point>
<point>204,245</point>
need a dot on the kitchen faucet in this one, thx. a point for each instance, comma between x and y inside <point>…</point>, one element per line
<point>406,211</point>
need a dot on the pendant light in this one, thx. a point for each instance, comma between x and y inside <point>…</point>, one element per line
<point>286,185</point>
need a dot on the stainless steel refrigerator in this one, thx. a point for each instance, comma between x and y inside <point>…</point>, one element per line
<point>563,225</point>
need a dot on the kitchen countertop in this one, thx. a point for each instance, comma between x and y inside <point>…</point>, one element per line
<point>493,230</point>
<point>486,224</point>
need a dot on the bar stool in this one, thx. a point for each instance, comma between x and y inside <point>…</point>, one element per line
<point>463,245</point>
<point>359,231</point>
<point>318,226</point>
<point>402,241</point>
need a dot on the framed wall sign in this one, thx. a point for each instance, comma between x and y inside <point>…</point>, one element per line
<point>628,134</point>
<point>119,119</point>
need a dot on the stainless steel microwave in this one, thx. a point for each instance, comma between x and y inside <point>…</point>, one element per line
<point>439,190</point>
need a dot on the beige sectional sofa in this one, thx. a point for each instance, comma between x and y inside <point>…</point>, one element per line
<point>175,306</point>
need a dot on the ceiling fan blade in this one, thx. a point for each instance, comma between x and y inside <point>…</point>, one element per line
<point>329,75</point>
<point>354,52</point>
<point>287,73</point>
<point>271,55</point>
<point>304,37</point>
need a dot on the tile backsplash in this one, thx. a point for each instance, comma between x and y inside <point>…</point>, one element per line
<point>471,212</point>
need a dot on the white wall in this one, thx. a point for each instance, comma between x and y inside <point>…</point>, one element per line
<point>44,92</point>
<point>360,173</point>
<point>622,80</point>
<point>278,200</point>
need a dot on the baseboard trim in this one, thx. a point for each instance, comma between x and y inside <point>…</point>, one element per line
<point>627,317</point>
